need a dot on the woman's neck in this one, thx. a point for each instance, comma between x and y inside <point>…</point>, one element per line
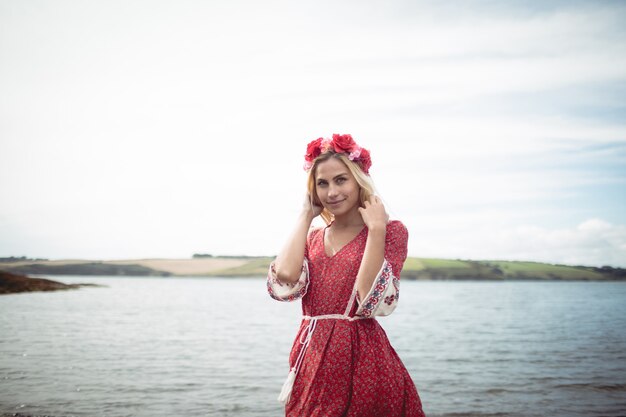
<point>348,220</point>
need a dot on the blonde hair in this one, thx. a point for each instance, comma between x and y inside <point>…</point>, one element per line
<point>366,187</point>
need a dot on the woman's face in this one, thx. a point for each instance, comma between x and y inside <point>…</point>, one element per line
<point>336,187</point>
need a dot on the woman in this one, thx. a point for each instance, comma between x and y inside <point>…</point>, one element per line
<point>346,273</point>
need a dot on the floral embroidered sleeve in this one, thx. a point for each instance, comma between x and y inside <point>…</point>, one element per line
<point>288,292</point>
<point>382,298</point>
<point>282,291</point>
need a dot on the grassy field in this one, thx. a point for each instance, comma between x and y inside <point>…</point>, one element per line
<point>414,269</point>
<point>255,267</point>
<point>456,269</point>
<point>536,270</point>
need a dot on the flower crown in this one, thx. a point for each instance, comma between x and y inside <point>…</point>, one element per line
<point>338,144</point>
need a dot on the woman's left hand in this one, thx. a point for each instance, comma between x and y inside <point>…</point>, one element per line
<point>374,214</point>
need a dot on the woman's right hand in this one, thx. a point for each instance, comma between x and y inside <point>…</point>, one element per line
<point>310,208</point>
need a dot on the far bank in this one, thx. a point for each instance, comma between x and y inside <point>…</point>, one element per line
<point>414,268</point>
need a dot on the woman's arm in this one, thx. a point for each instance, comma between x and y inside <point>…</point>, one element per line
<point>375,218</point>
<point>288,263</point>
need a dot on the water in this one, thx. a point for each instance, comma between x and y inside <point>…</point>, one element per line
<point>219,347</point>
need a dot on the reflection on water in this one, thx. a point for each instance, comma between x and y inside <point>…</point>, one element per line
<point>218,347</point>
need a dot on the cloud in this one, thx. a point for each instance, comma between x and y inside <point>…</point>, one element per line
<point>593,242</point>
<point>482,116</point>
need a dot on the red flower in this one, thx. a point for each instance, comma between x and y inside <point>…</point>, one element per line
<point>313,150</point>
<point>365,160</point>
<point>343,143</point>
<point>339,144</point>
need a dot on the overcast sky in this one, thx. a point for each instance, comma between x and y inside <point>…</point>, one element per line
<point>166,128</point>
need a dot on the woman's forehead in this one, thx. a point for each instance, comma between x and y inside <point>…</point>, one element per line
<point>330,168</point>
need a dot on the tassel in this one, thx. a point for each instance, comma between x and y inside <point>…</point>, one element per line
<point>285,393</point>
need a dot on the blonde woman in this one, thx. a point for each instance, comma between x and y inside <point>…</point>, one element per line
<point>346,274</point>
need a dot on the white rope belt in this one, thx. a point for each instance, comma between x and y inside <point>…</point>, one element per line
<point>305,338</point>
<point>333,316</point>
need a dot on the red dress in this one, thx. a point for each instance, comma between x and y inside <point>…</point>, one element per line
<point>343,362</point>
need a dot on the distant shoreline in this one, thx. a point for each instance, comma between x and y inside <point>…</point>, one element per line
<point>414,269</point>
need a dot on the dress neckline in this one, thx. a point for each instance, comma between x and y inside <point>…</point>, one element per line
<point>341,248</point>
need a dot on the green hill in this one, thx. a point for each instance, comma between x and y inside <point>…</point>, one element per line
<point>456,269</point>
<point>414,269</point>
<point>255,267</point>
<point>427,268</point>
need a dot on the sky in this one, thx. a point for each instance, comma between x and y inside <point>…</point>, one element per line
<point>141,129</point>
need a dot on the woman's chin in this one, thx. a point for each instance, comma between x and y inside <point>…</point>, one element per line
<point>334,212</point>
<point>337,212</point>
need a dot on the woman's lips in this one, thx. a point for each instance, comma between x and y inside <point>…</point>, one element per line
<point>335,203</point>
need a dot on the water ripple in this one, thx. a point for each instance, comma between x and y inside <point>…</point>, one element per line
<point>219,347</point>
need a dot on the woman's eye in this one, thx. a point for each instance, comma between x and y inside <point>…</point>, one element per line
<point>340,180</point>
<point>321,183</point>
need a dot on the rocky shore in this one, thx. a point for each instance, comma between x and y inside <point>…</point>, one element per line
<point>13,283</point>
